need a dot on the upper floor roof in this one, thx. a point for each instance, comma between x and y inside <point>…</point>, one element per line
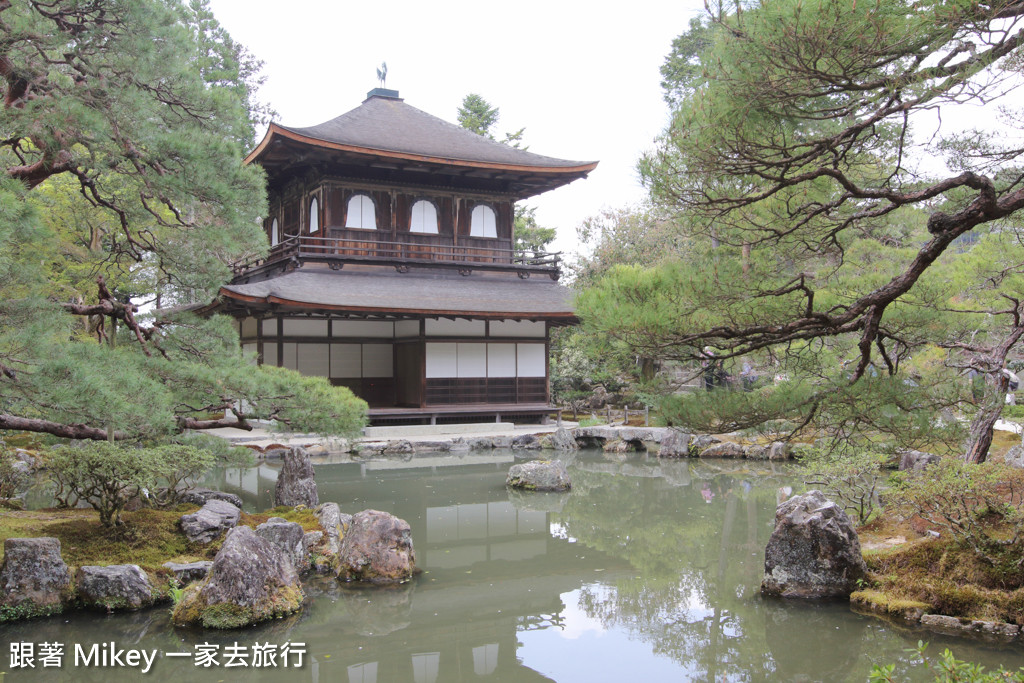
<point>386,134</point>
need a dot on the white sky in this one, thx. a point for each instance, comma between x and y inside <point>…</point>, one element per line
<point>582,80</point>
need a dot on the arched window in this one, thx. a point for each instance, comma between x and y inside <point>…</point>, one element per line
<point>314,216</point>
<point>275,233</point>
<point>424,217</point>
<point>361,213</point>
<point>483,222</point>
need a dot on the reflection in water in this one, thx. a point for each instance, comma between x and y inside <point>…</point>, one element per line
<point>646,570</point>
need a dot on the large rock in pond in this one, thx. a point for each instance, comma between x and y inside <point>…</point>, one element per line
<point>563,440</point>
<point>335,524</point>
<point>813,551</point>
<point>377,548</point>
<point>780,450</point>
<point>528,442</point>
<point>675,443</point>
<point>539,475</point>
<point>210,521</point>
<point>724,449</point>
<point>295,483</point>
<point>251,580</point>
<point>288,536</point>
<point>33,578</point>
<point>118,586</point>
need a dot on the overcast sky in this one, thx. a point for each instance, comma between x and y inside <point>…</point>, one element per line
<point>582,80</point>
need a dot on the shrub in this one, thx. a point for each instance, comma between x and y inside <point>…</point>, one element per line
<point>107,476</point>
<point>12,479</point>
<point>851,479</point>
<point>948,669</point>
<point>979,505</point>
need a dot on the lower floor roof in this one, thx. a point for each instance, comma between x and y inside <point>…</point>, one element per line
<point>367,290</point>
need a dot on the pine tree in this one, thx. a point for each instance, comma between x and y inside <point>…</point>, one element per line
<point>125,123</point>
<point>835,245</point>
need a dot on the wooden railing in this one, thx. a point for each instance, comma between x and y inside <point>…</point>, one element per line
<point>420,251</point>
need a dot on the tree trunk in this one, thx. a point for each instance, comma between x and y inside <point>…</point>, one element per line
<point>982,427</point>
<point>67,431</point>
<point>980,438</point>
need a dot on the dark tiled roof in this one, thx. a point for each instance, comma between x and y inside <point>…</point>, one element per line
<point>391,125</point>
<point>384,290</point>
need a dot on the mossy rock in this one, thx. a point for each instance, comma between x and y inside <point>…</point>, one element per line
<point>251,580</point>
<point>227,615</point>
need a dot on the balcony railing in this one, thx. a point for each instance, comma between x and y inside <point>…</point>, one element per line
<point>421,251</point>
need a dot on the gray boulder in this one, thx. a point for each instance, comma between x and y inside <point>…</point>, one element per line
<point>539,475</point>
<point>996,630</point>
<point>757,452</point>
<point>311,539</point>
<point>526,441</point>
<point>675,443</point>
<point>276,452</point>
<point>334,523</point>
<point>295,483</point>
<point>780,450</point>
<point>399,448</point>
<point>563,440</point>
<point>377,548</point>
<point>479,443</point>
<point>916,460</point>
<point>210,521</point>
<point>432,446</point>
<point>118,586</point>
<point>701,441</point>
<point>189,572</point>
<point>458,445</point>
<point>203,496</point>
<point>813,552</point>
<point>288,536</point>
<point>501,441</point>
<point>250,581</point>
<point>724,449</point>
<point>1015,457</point>
<point>34,581</point>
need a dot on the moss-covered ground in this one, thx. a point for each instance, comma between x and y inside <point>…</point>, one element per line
<point>148,537</point>
<point>944,577</point>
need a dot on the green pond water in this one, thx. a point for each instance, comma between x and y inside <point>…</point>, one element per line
<point>647,571</point>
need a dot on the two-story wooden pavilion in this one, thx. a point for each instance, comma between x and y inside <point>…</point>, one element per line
<point>392,269</point>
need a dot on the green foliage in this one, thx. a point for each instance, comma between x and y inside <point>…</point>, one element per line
<point>123,189</point>
<point>224,454</point>
<point>477,114</point>
<point>176,593</point>
<point>1014,412</point>
<point>527,234</point>
<point>12,479</point>
<point>852,479</point>
<point>948,669</point>
<point>803,239</point>
<point>978,505</point>
<point>108,476</point>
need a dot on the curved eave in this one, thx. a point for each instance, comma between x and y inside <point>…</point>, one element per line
<point>276,130</point>
<point>567,318</point>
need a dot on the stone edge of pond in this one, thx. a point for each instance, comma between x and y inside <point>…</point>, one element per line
<point>666,442</point>
<point>915,614</point>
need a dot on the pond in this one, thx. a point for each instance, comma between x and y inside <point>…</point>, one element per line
<point>647,571</point>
